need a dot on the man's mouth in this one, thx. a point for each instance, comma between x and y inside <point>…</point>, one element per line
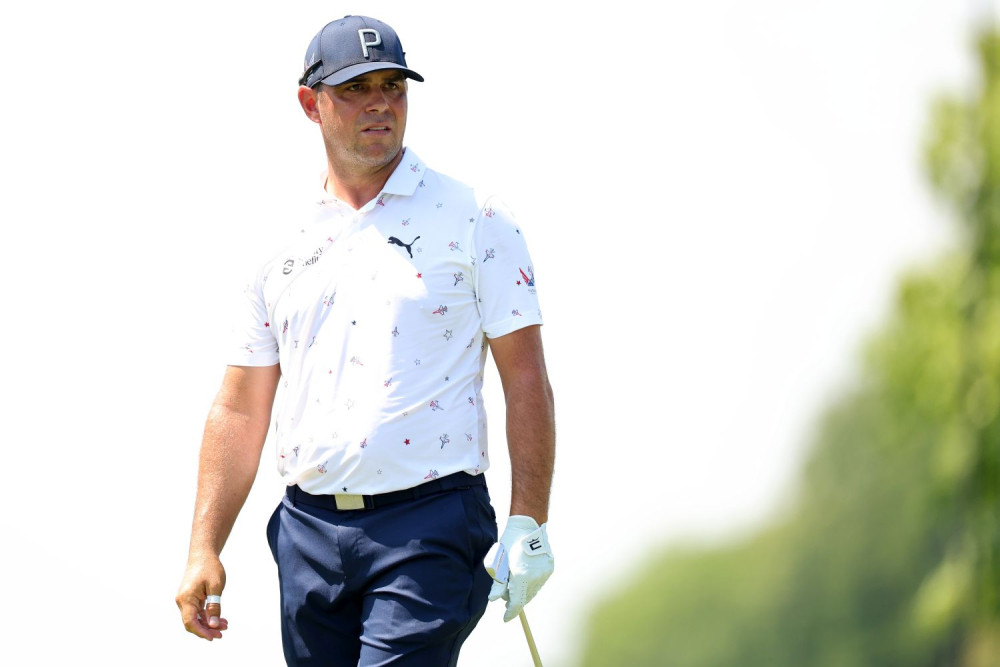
<point>378,129</point>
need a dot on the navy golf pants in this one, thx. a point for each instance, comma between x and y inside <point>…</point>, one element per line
<point>401,584</point>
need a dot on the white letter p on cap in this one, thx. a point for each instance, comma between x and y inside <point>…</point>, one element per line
<point>364,44</point>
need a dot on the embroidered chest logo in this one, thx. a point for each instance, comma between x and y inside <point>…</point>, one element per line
<point>394,240</point>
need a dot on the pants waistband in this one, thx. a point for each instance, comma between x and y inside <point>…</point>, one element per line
<point>346,501</point>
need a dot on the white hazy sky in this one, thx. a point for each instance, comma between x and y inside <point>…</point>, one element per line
<point>718,198</point>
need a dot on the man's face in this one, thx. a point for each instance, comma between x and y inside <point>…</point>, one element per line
<point>363,120</point>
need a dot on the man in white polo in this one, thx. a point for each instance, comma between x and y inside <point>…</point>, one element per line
<point>372,327</point>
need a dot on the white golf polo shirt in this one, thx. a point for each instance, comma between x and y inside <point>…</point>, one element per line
<point>379,319</point>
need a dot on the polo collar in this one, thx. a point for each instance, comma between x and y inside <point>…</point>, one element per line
<point>406,176</point>
<point>403,181</point>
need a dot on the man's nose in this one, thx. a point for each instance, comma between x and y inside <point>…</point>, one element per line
<point>377,100</point>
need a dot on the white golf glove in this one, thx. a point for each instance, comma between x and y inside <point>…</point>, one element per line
<point>524,552</point>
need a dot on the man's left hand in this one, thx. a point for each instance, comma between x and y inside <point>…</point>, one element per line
<point>530,561</point>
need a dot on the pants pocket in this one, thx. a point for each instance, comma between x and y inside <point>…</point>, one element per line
<point>272,530</point>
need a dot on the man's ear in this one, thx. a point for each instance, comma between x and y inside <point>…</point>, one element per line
<point>308,102</point>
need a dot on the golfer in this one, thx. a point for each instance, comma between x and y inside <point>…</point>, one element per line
<point>368,335</point>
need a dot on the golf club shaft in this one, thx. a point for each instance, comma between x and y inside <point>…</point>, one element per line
<point>531,640</point>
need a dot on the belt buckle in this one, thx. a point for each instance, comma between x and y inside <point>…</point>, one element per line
<point>349,501</point>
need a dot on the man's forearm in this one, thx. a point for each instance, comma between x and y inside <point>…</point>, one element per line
<point>230,454</point>
<point>531,440</point>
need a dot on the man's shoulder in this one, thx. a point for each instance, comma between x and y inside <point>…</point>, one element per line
<point>448,186</point>
<point>442,185</point>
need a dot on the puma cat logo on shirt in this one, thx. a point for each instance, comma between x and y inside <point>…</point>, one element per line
<point>393,239</point>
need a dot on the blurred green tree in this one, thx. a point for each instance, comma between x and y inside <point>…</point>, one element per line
<point>891,555</point>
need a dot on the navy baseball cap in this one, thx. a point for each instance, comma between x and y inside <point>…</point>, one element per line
<point>350,47</point>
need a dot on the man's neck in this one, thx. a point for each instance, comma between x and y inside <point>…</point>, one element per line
<point>358,189</point>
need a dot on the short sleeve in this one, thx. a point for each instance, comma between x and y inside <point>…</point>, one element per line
<point>503,273</point>
<point>252,342</point>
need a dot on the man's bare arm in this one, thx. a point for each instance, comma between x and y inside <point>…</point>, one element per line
<point>530,420</point>
<point>230,454</point>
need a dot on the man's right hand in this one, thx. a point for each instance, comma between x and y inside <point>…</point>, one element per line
<point>204,576</point>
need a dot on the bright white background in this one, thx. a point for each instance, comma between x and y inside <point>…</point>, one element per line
<point>718,198</point>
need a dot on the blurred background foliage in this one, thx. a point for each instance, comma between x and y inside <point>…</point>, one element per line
<point>889,554</point>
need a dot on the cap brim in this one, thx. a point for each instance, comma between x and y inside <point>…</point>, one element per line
<point>349,73</point>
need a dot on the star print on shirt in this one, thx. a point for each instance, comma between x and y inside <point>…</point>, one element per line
<point>406,442</point>
<point>448,335</point>
<point>349,403</point>
<point>416,362</point>
<point>419,275</point>
<point>267,324</point>
<point>395,331</point>
<point>439,205</point>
